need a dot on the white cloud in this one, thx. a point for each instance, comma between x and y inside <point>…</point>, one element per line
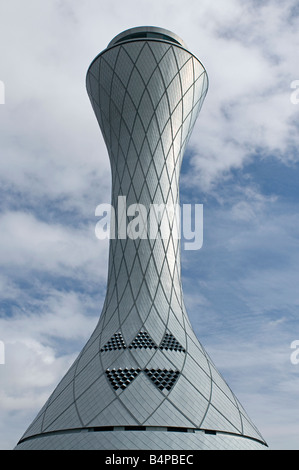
<point>30,244</point>
<point>250,63</point>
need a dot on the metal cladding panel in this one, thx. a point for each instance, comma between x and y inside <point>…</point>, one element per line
<point>143,365</point>
<point>88,403</point>
<point>64,401</point>
<point>249,429</point>
<point>141,398</point>
<point>218,420</point>
<point>36,426</point>
<point>115,414</point>
<point>68,418</point>
<point>170,416</point>
<point>87,376</point>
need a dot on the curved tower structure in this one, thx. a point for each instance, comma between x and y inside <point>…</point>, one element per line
<point>143,380</point>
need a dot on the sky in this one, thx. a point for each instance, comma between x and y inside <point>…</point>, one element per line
<point>242,164</point>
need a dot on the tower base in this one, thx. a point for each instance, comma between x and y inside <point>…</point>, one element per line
<point>99,439</point>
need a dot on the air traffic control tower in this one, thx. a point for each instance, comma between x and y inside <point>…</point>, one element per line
<point>143,380</point>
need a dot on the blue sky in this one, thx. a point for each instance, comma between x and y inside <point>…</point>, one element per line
<point>242,164</point>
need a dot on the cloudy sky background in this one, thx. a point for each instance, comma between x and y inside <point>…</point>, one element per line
<point>242,164</point>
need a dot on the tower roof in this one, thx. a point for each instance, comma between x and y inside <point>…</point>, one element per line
<point>142,32</point>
